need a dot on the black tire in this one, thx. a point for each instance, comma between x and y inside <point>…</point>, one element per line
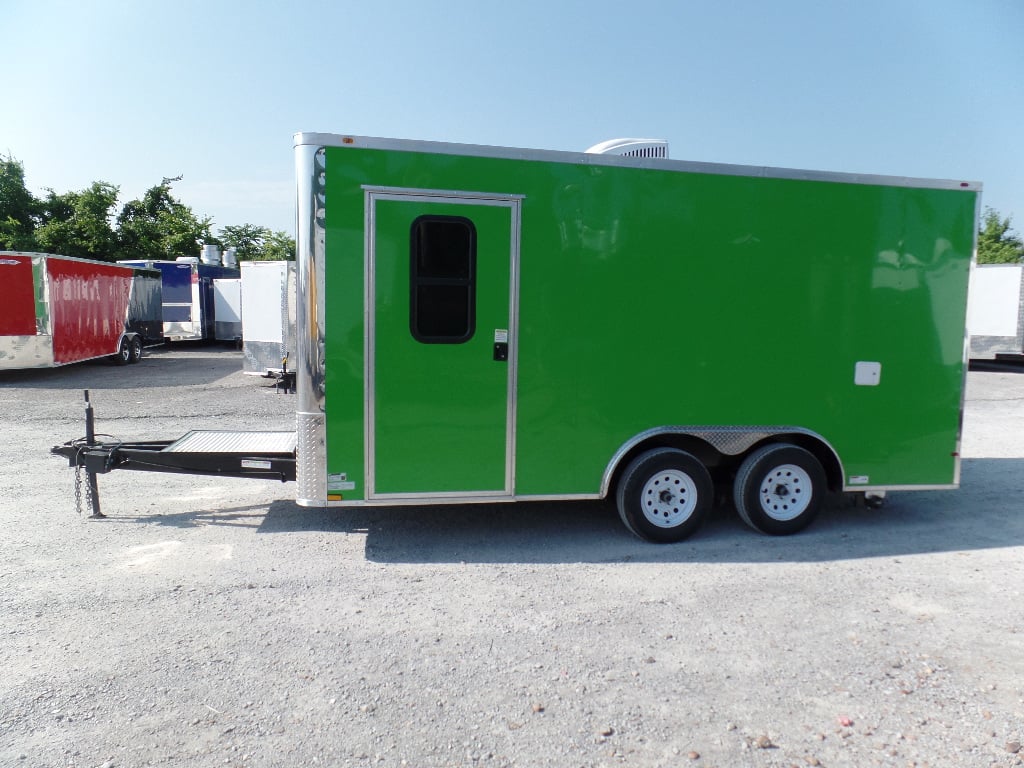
<point>664,495</point>
<point>136,350</point>
<point>779,489</point>
<point>124,352</point>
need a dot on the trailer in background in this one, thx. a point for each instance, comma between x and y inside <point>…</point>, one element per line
<point>189,310</point>
<point>227,309</point>
<point>268,316</point>
<point>995,312</point>
<point>58,310</point>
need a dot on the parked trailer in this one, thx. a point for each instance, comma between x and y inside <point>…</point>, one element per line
<point>227,309</point>
<point>57,310</point>
<point>188,301</point>
<point>268,316</point>
<point>481,324</point>
<point>995,312</point>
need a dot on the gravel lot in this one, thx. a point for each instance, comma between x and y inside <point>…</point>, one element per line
<point>214,622</point>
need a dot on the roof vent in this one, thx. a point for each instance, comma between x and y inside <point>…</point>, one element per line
<point>631,148</point>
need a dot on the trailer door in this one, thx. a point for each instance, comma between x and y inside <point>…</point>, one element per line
<point>440,366</point>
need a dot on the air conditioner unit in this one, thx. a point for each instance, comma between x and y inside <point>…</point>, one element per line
<point>631,148</point>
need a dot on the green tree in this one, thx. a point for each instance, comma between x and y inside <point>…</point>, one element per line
<point>78,223</point>
<point>997,242</point>
<point>255,243</point>
<point>159,226</point>
<point>279,246</point>
<point>19,209</point>
<point>246,239</point>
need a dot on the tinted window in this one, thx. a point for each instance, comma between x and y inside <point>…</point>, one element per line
<point>442,271</point>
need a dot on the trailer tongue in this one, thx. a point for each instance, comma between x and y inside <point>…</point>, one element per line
<point>261,455</point>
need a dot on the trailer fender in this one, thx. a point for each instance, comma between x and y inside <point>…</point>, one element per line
<point>723,446</point>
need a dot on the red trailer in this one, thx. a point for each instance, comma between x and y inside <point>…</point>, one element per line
<point>56,310</point>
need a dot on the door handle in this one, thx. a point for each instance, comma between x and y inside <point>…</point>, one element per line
<point>501,351</point>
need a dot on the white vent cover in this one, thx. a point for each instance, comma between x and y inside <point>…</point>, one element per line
<point>631,148</point>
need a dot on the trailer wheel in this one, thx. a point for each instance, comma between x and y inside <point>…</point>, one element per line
<point>124,352</point>
<point>136,350</point>
<point>664,495</point>
<point>779,489</point>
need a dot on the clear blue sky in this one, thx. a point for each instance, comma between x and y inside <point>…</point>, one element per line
<point>130,92</point>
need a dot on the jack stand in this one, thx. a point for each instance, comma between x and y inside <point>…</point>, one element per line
<point>90,440</point>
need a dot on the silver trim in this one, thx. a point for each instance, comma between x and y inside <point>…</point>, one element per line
<point>884,488</point>
<point>440,498</point>
<point>371,195</point>
<point>582,158</point>
<point>407,501</point>
<point>732,441</point>
<point>369,348</point>
<point>311,459</point>
<point>429,195</point>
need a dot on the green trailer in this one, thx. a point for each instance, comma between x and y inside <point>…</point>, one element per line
<point>483,324</point>
<point>486,324</point>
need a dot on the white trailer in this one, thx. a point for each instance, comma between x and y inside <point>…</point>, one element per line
<point>995,311</point>
<point>227,309</point>
<point>268,316</point>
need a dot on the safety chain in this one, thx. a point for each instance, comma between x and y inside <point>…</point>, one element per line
<point>78,491</point>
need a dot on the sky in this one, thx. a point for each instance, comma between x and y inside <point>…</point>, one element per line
<point>213,90</point>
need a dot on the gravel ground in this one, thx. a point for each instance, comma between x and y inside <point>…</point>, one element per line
<point>214,622</point>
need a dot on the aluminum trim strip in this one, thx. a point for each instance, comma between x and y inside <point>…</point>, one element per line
<point>369,326</point>
<point>426,500</point>
<point>347,141</point>
<point>875,488</point>
<point>513,354</point>
<point>371,195</point>
<point>428,195</point>
<point>441,497</point>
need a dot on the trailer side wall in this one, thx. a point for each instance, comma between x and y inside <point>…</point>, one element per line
<point>88,308</point>
<point>657,298</point>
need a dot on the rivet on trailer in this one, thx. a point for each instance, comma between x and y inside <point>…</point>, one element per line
<point>480,324</point>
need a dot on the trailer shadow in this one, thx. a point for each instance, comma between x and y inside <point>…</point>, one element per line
<point>246,516</point>
<point>984,514</point>
<point>171,365</point>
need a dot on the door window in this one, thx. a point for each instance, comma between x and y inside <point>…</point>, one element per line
<point>442,276</point>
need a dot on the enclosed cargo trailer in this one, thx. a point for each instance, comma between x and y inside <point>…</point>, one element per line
<point>268,315</point>
<point>481,324</point>
<point>995,312</point>
<point>56,310</point>
<point>227,309</point>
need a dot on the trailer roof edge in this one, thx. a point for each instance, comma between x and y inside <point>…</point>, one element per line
<point>583,158</point>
